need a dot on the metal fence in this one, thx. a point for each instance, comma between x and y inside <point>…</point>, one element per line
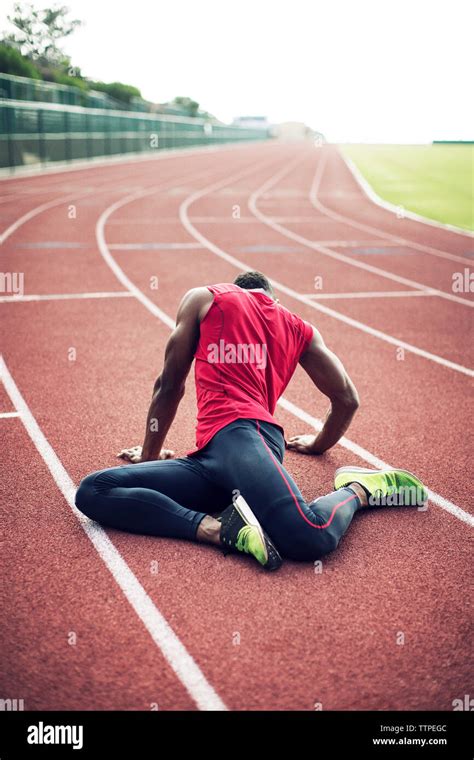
<point>39,133</point>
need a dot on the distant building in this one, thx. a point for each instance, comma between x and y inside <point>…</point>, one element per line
<point>251,122</point>
<point>296,130</point>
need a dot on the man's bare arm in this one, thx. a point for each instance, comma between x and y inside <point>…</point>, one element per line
<point>329,376</point>
<point>170,385</point>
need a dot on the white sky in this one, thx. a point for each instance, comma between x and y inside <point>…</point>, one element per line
<point>357,70</point>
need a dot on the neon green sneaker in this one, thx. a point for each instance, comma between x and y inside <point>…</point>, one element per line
<point>385,488</point>
<point>241,532</point>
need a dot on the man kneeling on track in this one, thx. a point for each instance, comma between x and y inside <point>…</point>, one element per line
<point>246,348</point>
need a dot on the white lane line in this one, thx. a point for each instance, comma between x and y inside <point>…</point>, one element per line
<point>152,246</point>
<point>351,243</point>
<point>243,266</point>
<point>65,296</point>
<point>310,220</point>
<point>173,220</point>
<point>379,464</point>
<point>292,408</point>
<point>50,245</point>
<point>8,415</point>
<point>109,259</point>
<point>252,204</point>
<point>51,204</point>
<point>39,210</point>
<point>110,186</point>
<point>162,634</point>
<point>373,294</point>
<point>313,196</point>
<point>223,219</point>
<point>143,221</point>
<point>372,195</point>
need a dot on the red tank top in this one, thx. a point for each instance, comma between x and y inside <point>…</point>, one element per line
<point>248,350</point>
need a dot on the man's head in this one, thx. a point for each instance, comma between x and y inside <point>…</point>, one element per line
<point>254,281</point>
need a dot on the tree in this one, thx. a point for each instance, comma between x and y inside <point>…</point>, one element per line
<point>187,104</point>
<point>12,62</point>
<point>123,92</point>
<point>38,32</point>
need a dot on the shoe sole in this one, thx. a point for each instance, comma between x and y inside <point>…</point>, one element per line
<point>248,516</point>
<point>368,471</point>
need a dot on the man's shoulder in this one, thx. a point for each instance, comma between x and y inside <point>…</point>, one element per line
<point>201,292</point>
<point>196,302</point>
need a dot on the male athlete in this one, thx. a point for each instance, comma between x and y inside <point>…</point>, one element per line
<point>246,347</point>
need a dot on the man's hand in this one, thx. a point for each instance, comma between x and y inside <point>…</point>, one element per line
<point>134,454</point>
<point>304,444</point>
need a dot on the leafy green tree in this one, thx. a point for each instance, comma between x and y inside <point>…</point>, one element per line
<point>13,62</point>
<point>38,32</point>
<point>117,90</point>
<point>191,107</point>
<point>60,77</point>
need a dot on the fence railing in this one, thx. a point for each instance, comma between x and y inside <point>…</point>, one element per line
<point>40,133</point>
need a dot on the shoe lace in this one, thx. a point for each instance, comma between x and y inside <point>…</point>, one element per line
<point>243,539</point>
<point>392,486</point>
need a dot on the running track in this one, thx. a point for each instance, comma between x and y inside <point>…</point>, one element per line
<point>104,620</point>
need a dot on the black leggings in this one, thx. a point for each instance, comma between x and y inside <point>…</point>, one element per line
<point>171,497</point>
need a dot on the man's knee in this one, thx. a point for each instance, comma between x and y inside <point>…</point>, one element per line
<point>326,542</point>
<point>308,545</point>
<point>85,495</point>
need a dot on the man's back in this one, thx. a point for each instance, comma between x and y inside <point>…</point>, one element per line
<point>248,350</point>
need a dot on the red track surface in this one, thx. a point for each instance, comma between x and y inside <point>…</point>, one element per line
<point>305,637</point>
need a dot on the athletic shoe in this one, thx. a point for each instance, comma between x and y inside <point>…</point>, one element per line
<point>241,532</point>
<point>384,487</point>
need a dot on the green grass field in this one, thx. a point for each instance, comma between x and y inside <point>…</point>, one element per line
<point>436,181</point>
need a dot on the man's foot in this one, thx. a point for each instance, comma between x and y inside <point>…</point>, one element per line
<point>242,532</point>
<point>384,487</point>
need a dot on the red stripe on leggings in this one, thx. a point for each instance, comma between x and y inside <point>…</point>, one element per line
<point>326,525</point>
